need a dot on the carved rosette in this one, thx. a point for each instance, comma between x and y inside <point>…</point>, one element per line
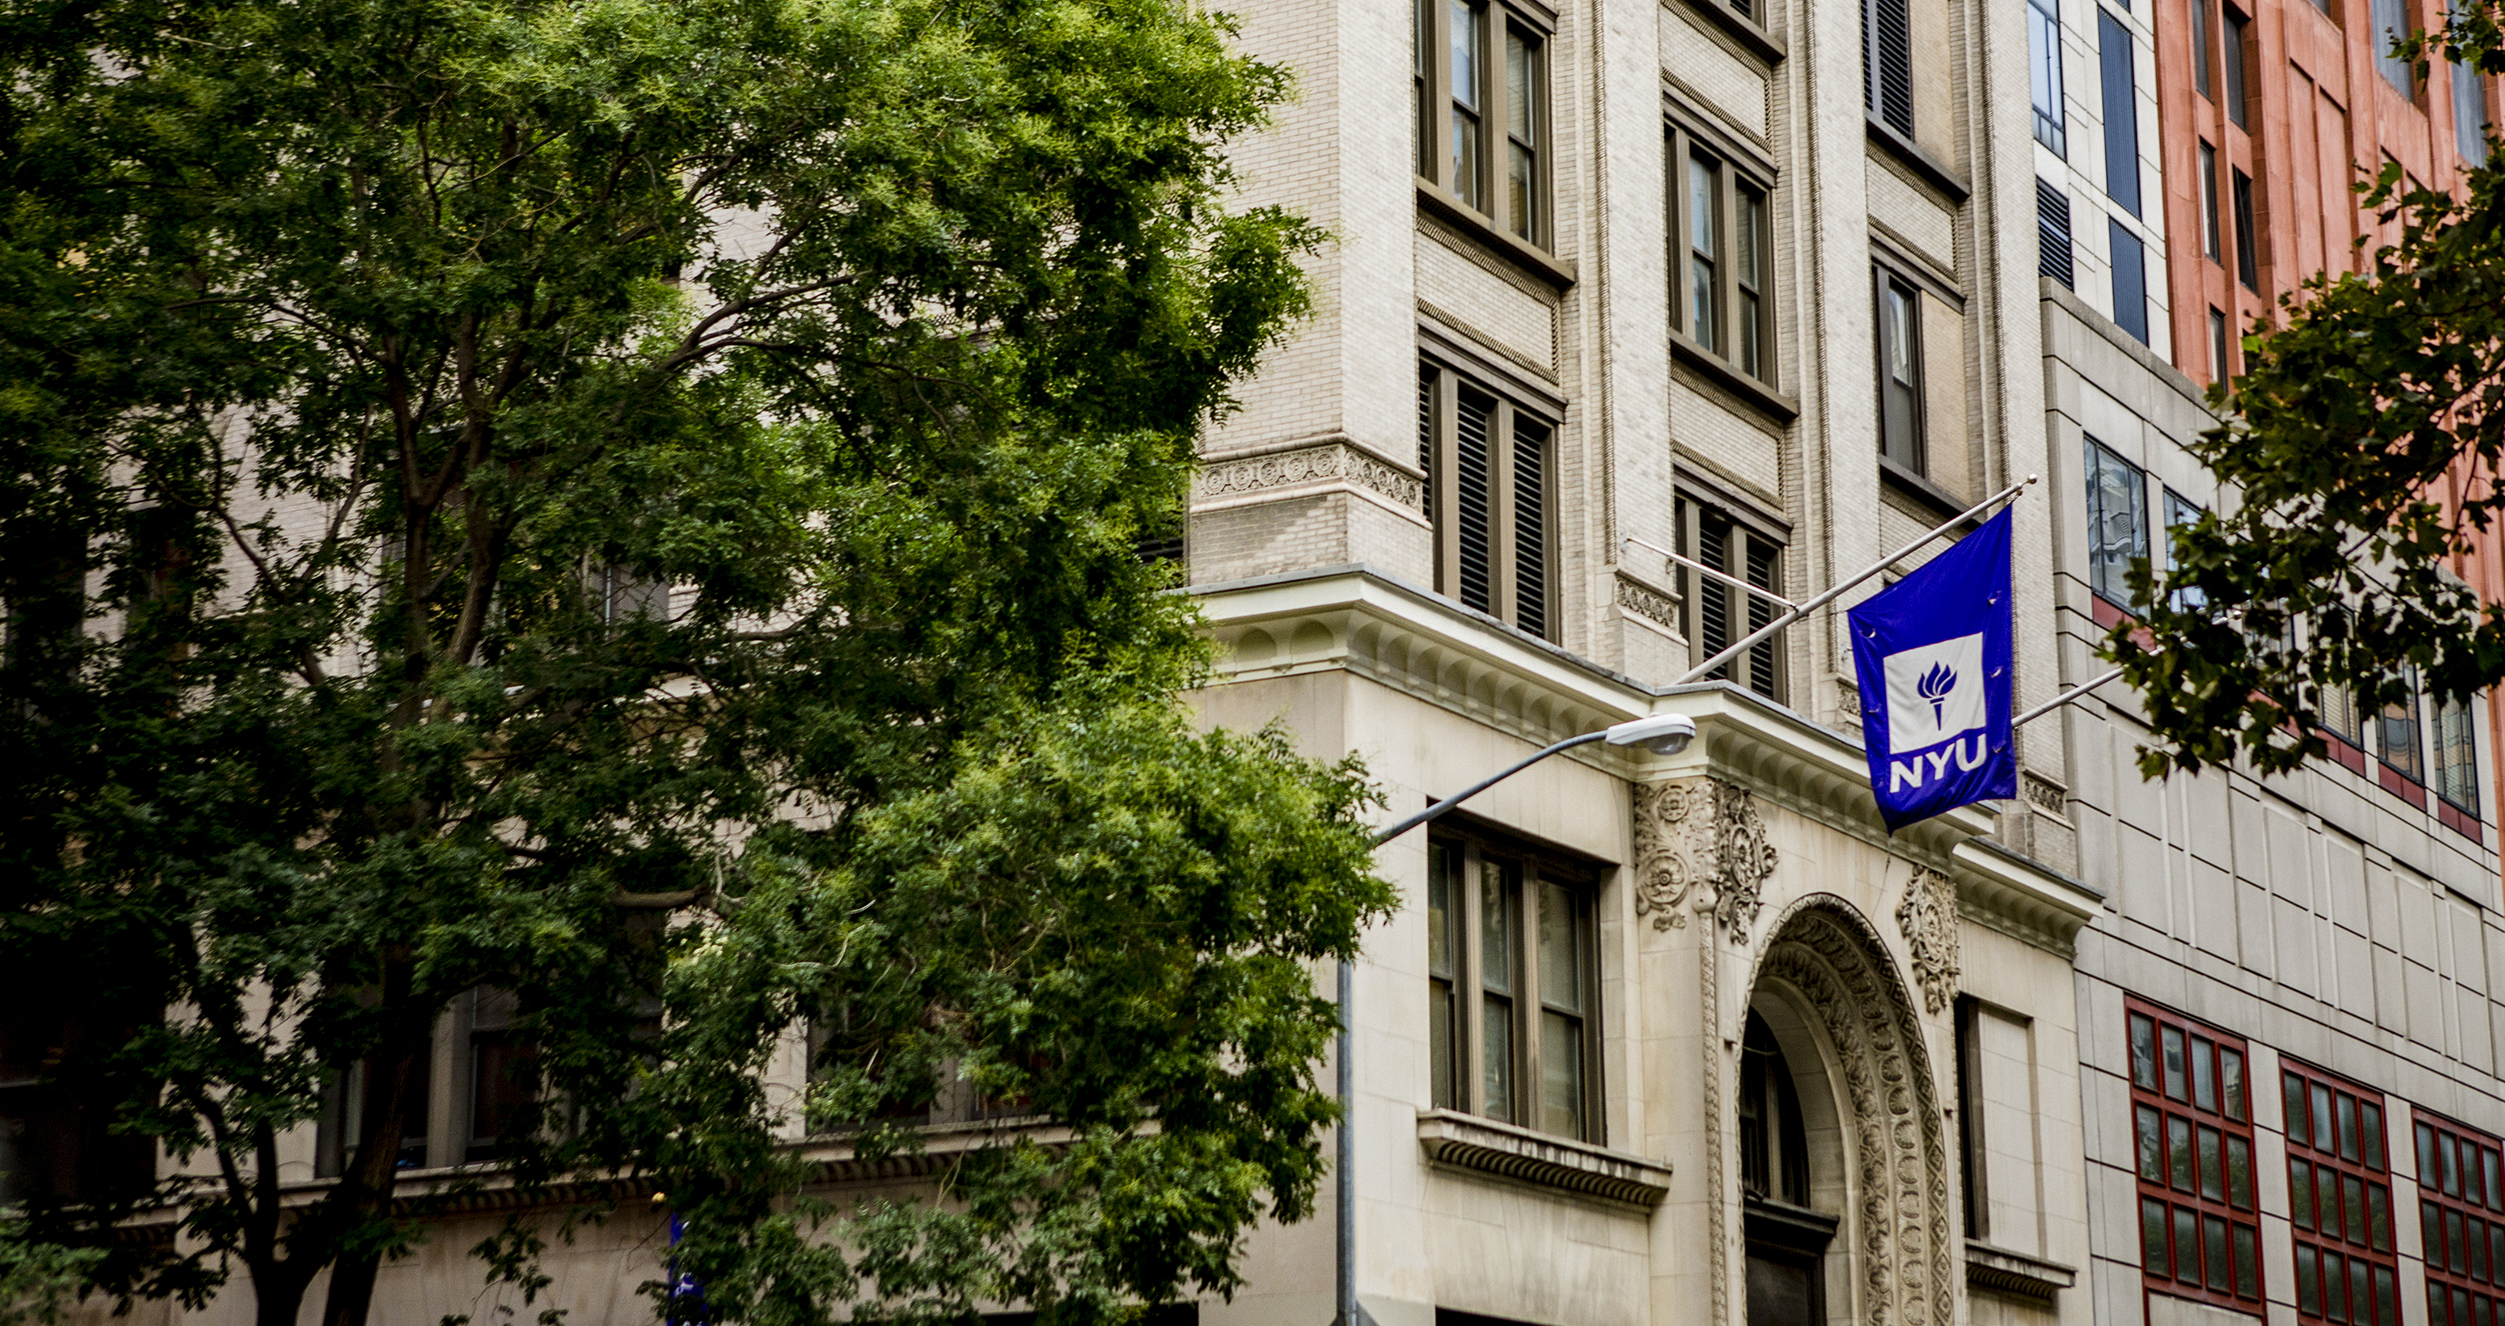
<point>1928,919</point>
<point>1333,462</point>
<point>1699,844</point>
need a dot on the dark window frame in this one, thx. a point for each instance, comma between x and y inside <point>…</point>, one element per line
<point>2044,81</point>
<point>2341,1216</point>
<point>1887,63</point>
<point>1902,439</point>
<point>2099,583</point>
<point>1740,259</point>
<point>1495,530</point>
<point>1460,857</point>
<point>1731,540</point>
<point>1492,136</point>
<point>2170,1128</point>
<point>2247,241</point>
<point>2455,1197</point>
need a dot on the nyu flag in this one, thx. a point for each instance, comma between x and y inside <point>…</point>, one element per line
<point>1931,655</point>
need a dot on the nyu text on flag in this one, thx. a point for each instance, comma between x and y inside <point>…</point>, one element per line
<point>1931,656</point>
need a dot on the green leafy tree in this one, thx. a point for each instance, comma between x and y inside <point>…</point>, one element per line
<point>634,504</point>
<point>2360,455</point>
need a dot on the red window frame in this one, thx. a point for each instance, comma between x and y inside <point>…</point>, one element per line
<point>2461,1197</point>
<point>2340,1200</point>
<point>2192,1153</point>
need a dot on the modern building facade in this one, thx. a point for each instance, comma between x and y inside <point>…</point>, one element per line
<point>1779,285</point>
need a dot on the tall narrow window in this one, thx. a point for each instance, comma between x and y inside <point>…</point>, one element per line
<point>1489,464</point>
<point>2122,112</point>
<point>2401,737</point>
<point>2044,73</point>
<point>2209,202</point>
<point>2457,756</point>
<point>1704,250</point>
<point>2130,280</point>
<point>1774,1152</point>
<point>1887,62</point>
<point>2180,511</point>
<point>2117,519</point>
<point>2470,113</point>
<point>2053,252</point>
<point>1467,168</point>
<point>2391,24</point>
<point>2221,368</point>
<point>1422,83</point>
<point>2192,1140</point>
<point>1525,72</point>
<point>2247,264</point>
<point>1718,611</point>
<point>1721,262</point>
<point>2201,20</point>
<point>1480,74</point>
<point>1515,928</point>
<point>2461,1221</point>
<point>1900,372</point>
<point>503,1077</point>
<point>2232,57</point>
<point>1749,266</point>
<point>2340,1201</point>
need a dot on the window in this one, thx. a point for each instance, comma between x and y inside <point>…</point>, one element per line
<point>2232,57</point>
<point>2341,718</point>
<point>2221,368</point>
<point>1480,78</point>
<point>2130,280</point>
<point>504,1081</point>
<point>2122,113</point>
<point>1488,463</point>
<point>2117,521</point>
<point>2044,72</point>
<point>1718,613</point>
<point>2209,202</point>
<point>1900,371</point>
<point>1721,267</point>
<point>2457,756</point>
<point>2461,1216</point>
<point>2192,1134</point>
<point>1774,1147</point>
<point>2470,114</point>
<point>2200,48</point>
<point>1513,986</point>
<point>2391,24</point>
<point>2053,256</point>
<point>1970,1156</point>
<point>2340,1202</point>
<point>2247,266</point>
<point>56,1137</point>
<point>1887,63</point>
<point>355,1096</point>
<point>2180,510</point>
<point>2403,750</point>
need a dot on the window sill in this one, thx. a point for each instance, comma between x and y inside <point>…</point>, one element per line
<point>1934,171</point>
<point>1728,377</point>
<point>1530,258</point>
<point>1763,44</point>
<point>2016,1273</point>
<point>1946,504</point>
<point>1464,1141</point>
<point>2351,758</point>
<point>2463,822</point>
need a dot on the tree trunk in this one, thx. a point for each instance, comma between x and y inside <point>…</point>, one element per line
<point>363,1196</point>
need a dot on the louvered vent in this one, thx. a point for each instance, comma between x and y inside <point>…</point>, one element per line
<point>1530,527</point>
<point>1470,496</point>
<point>1887,56</point>
<point>2052,233</point>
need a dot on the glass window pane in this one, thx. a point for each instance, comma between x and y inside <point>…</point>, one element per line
<point>2387,1298</point>
<point>1496,939</point>
<point>2213,1166</point>
<point>1561,1074</point>
<point>2353,1203</point>
<point>2477,1238</point>
<point>2326,1134</point>
<point>2308,1282</point>
<point>2379,1216</point>
<point>2231,1082</point>
<point>1519,55</point>
<point>2447,1153</point>
<point>2239,1173</point>
<point>2179,1151</point>
<point>2334,1288</point>
<point>1496,1056</point>
<point>2348,1126</point>
<point>2187,1246</point>
<point>2150,1131</point>
<point>2153,1236</point>
<point>2143,1053</point>
<point>1701,207</point>
<point>2301,1194</point>
<point>2496,1194</point>
<point>2204,1077</point>
<point>1561,949</point>
<point>2370,1125</point>
<point>2455,1255</point>
<point>2297,1117</point>
<point>2214,1252</point>
<point>2247,1262</point>
<point>2360,1292</point>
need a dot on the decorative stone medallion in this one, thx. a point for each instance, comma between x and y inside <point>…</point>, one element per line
<point>1928,918</point>
<point>1700,845</point>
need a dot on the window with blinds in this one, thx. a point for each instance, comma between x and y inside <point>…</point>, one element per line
<point>1513,984</point>
<point>1489,465</point>
<point>2053,251</point>
<point>1887,63</point>
<point>1718,613</point>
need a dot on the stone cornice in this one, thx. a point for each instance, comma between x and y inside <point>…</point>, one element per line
<point>1361,620</point>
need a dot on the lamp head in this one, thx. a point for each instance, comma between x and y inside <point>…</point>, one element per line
<point>1662,734</point>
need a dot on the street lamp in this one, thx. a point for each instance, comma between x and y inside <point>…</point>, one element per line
<point>1662,734</point>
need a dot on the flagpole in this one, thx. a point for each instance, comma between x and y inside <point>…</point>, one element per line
<point>2066,697</point>
<point>1838,591</point>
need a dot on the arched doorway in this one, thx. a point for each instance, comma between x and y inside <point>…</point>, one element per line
<point>1843,1165</point>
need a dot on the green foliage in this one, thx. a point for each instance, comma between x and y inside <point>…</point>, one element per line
<point>39,1280</point>
<point>2364,428</point>
<point>364,367</point>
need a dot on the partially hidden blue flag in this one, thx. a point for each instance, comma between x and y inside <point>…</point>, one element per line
<point>1931,655</point>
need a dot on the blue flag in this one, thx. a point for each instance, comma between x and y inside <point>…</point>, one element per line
<point>1931,655</point>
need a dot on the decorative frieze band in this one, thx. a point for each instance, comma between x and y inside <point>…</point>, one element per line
<point>1330,462</point>
<point>1648,603</point>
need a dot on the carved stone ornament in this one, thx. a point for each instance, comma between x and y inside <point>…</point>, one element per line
<point>1928,918</point>
<point>1648,603</point>
<point>1699,844</point>
<point>1336,461</point>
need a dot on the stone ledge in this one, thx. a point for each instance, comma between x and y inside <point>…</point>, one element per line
<point>1464,1141</point>
<point>2015,1273</point>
